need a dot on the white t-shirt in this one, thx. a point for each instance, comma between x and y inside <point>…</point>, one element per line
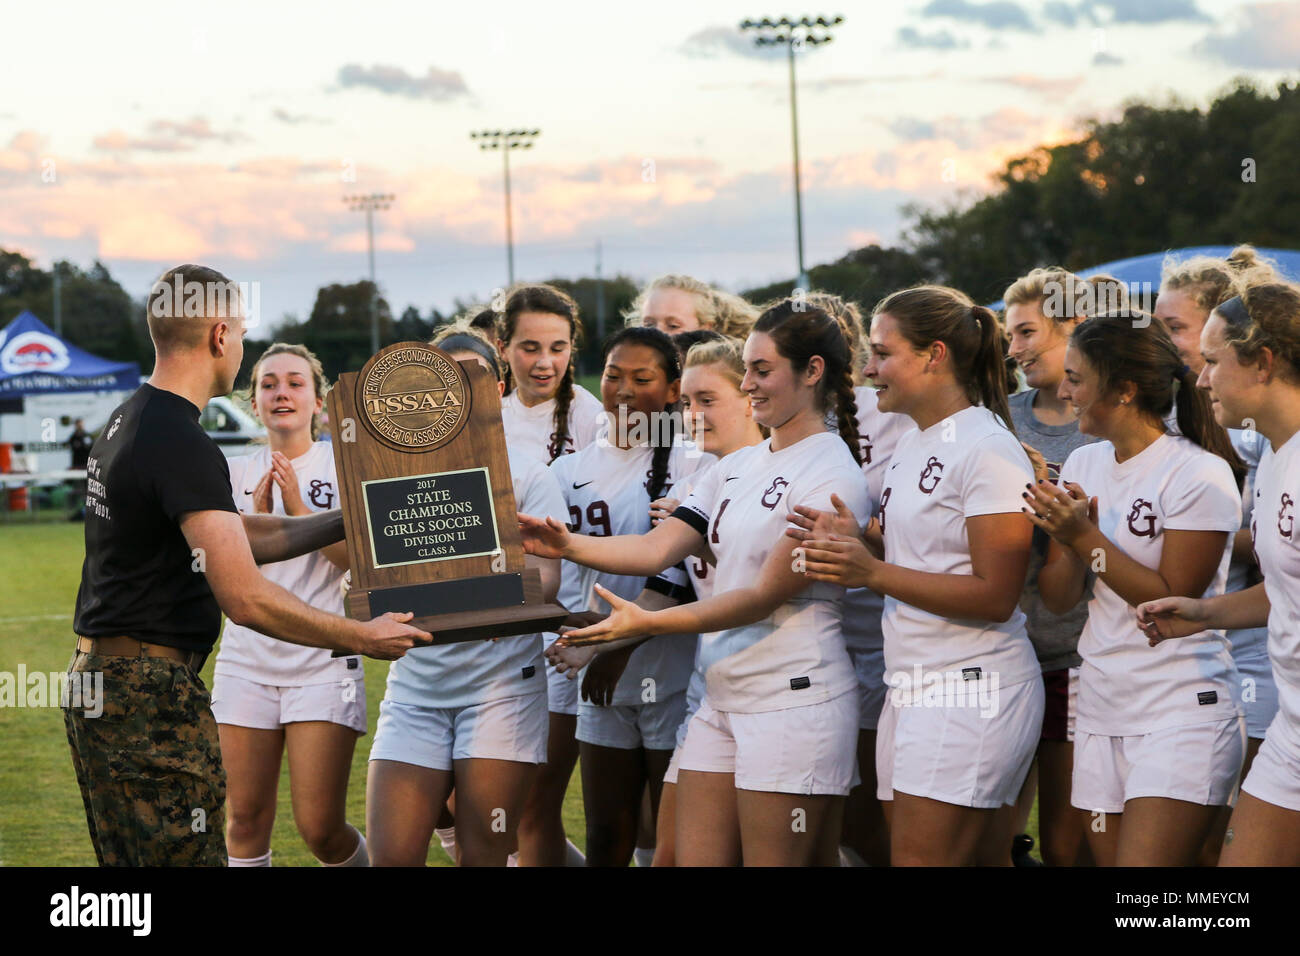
<point>1127,687</point>
<point>605,490</point>
<point>878,434</point>
<point>797,656</point>
<point>1277,545</point>
<point>1247,643</point>
<point>474,672</point>
<point>531,431</point>
<point>251,655</point>
<point>967,465</point>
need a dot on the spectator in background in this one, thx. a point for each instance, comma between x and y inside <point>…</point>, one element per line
<point>80,442</point>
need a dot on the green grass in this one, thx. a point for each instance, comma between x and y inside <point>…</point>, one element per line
<point>42,822</point>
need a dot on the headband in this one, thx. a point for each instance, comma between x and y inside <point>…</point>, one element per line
<point>1233,311</point>
<point>461,342</point>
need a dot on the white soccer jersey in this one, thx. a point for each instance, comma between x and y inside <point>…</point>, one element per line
<point>475,672</point>
<point>1277,545</point>
<point>797,656</point>
<point>878,435</point>
<point>967,465</point>
<point>1247,642</point>
<point>605,489</point>
<point>1127,687</point>
<point>254,656</point>
<point>531,431</point>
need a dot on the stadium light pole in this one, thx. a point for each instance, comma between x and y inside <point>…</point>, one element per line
<point>369,204</point>
<point>507,140</point>
<point>794,35</point>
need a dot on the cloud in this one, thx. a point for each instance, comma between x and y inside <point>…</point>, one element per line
<point>781,87</point>
<point>293,119</point>
<point>997,15</point>
<point>1265,36</point>
<point>711,41</point>
<point>1062,13</point>
<point>1147,11</point>
<point>436,84</point>
<point>169,136</point>
<point>1054,88</point>
<point>942,40</point>
<point>1102,58</point>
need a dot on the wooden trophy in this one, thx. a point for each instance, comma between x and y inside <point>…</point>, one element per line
<point>428,504</point>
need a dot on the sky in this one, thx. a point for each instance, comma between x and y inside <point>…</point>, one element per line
<point>150,134</point>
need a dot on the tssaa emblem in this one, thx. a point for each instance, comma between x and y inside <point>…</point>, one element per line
<point>414,397</point>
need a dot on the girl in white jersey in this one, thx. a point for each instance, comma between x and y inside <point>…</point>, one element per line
<point>546,415</point>
<point>270,697</point>
<point>773,739</point>
<point>633,698</point>
<point>1189,289</point>
<point>1251,348</point>
<point>471,714</point>
<point>958,732</point>
<point>1159,735</point>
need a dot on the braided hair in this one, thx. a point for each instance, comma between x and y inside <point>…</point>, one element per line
<point>801,331</point>
<point>657,480</point>
<point>551,301</point>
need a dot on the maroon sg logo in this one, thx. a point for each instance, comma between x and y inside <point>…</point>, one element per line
<point>884,500</point>
<point>864,444</point>
<point>929,480</point>
<point>321,489</point>
<point>1142,519</point>
<point>1286,516</point>
<point>774,492</point>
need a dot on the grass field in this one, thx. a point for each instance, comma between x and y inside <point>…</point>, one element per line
<point>42,822</point>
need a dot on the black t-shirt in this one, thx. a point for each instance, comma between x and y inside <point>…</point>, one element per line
<point>150,464</point>
<point>80,443</point>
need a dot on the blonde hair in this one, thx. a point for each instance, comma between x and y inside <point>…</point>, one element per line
<point>318,380</point>
<point>721,311</point>
<point>1209,281</point>
<point>724,353</point>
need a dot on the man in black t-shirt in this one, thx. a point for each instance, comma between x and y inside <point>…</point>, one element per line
<point>166,553</point>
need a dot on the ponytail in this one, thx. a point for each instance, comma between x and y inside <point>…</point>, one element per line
<point>1197,423</point>
<point>988,369</point>
<point>563,400</point>
<point>846,413</point>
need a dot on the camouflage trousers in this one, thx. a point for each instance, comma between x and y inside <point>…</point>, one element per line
<point>149,766</point>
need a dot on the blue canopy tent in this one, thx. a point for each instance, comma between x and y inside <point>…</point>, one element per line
<point>1146,269</point>
<point>35,361</point>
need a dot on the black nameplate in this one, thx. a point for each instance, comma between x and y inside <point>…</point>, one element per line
<point>422,518</point>
<point>450,597</point>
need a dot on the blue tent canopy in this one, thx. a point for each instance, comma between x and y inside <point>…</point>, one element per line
<point>35,361</point>
<point>1140,269</point>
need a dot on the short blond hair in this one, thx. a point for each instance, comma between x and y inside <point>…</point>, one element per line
<point>721,311</point>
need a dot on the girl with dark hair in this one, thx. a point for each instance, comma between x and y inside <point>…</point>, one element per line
<point>633,698</point>
<point>949,553</point>
<point>470,715</point>
<point>1251,348</point>
<point>773,739</point>
<point>1159,735</point>
<point>546,416</point>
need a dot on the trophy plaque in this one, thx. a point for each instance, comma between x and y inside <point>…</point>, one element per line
<point>428,504</point>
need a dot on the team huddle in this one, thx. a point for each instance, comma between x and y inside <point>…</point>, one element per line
<point>843,589</point>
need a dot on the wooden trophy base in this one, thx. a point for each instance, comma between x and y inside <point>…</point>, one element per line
<point>467,609</point>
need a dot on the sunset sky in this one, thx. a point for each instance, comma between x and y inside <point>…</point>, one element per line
<point>146,135</point>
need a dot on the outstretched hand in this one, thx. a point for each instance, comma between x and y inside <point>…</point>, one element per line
<point>1170,617</point>
<point>544,537</point>
<point>626,619</point>
<point>839,559</point>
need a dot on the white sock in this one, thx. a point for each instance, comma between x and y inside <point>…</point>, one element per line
<point>572,855</point>
<point>513,859</point>
<point>263,860</point>
<point>643,856</point>
<point>360,856</point>
<point>447,837</point>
